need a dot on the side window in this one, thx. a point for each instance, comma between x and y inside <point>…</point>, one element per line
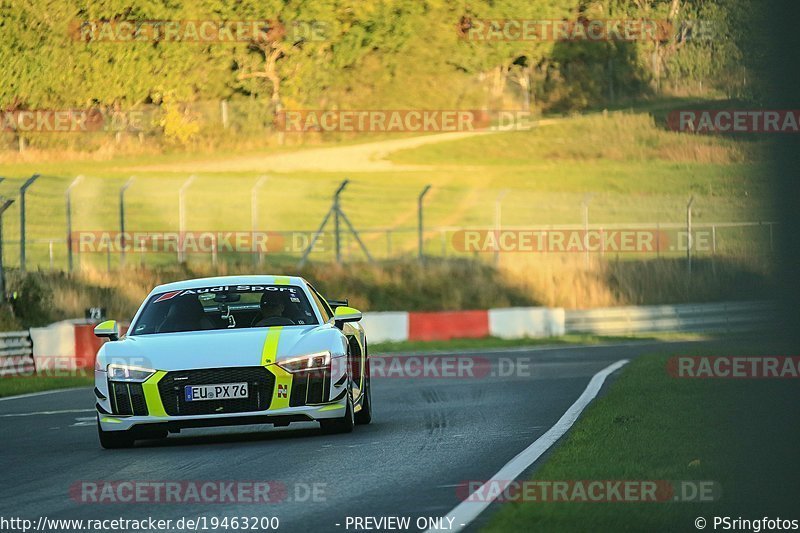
<point>324,308</point>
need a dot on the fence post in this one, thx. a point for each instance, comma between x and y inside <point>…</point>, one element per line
<point>497,207</point>
<point>585,215</point>
<point>68,195</point>
<point>420,222</point>
<point>22,191</point>
<point>122,220</point>
<point>182,216</point>
<point>6,204</point>
<point>658,240</point>
<point>714,249</point>
<point>336,212</point>
<point>689,233</point>
<point>257,258</point>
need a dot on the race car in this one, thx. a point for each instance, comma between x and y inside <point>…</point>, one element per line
<point>232,350</point>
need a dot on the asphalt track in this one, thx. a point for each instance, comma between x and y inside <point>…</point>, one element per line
<point>428,436</point>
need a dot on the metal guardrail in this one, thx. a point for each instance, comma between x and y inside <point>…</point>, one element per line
<point>728,317</point>
<point>16,347</point>
<point>16,353</point>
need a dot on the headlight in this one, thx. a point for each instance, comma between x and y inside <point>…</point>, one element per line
<point>129,373</point>
<point>306,362</point>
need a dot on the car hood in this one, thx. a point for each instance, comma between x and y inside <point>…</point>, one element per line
<point>220,348</point>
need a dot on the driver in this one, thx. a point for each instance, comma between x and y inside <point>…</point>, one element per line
<point>272,308</point>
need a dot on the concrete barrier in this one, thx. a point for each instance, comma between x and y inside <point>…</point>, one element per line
<point>75,341</point>
<point>521,322</point>
<point>511,323</point>
<point>386,326</point>
<point>66,345</point>
<point>54,345</point>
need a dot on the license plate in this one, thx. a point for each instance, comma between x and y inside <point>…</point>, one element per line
<point>223,391</point>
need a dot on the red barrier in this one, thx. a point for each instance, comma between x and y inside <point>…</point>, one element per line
<point>86,344</point>
<point>422,326</point>
<point>437,325</point>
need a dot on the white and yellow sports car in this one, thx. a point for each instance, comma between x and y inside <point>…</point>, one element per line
<point>231,351</point>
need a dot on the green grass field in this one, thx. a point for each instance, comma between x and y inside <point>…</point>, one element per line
<point>651,426</point>
<point>635,172</point>
<point>13,386</point>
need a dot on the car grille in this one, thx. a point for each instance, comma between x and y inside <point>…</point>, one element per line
<point>127,398</point>
<point>310,387</point>
<point>260,385</point>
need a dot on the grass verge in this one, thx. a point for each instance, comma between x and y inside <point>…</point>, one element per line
<point>651,426</point>
<point>496,342</point>
<point>13,386</point>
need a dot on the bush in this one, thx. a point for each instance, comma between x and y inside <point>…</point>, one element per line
<point>436,285</point>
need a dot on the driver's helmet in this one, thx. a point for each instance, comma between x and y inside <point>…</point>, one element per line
<point>270,299</point>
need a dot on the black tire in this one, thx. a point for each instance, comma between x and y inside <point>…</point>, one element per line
<point>114,440</point>
<point>154,434</point>
<point>340,425</point>
<point>364,416</point>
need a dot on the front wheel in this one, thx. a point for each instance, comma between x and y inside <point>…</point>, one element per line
<point>113,440</point>
<point>340,425</point>
<point>364,416</point>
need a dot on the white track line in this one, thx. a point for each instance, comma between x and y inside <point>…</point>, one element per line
<point>30,395</point>
<point>38,413</point>
<point>467,511</point>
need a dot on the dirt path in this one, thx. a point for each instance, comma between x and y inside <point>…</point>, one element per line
<point>367,157</point>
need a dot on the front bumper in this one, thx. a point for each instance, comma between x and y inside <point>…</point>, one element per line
<point>276,397</point>
<point>309,413</point>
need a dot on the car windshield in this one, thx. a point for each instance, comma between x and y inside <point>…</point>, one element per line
<point>224,307</point>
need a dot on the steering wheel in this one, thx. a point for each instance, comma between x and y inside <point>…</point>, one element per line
<point>274,321</point>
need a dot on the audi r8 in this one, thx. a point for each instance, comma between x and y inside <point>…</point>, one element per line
<point>234,350</point>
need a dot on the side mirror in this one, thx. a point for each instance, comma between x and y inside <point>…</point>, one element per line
<point>108,329</point>
<point>338,303</point>
<point>345,314</point>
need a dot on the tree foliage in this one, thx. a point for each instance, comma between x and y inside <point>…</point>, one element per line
<point>386,53</point>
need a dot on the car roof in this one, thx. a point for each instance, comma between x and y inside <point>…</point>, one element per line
<point>229,280</point>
